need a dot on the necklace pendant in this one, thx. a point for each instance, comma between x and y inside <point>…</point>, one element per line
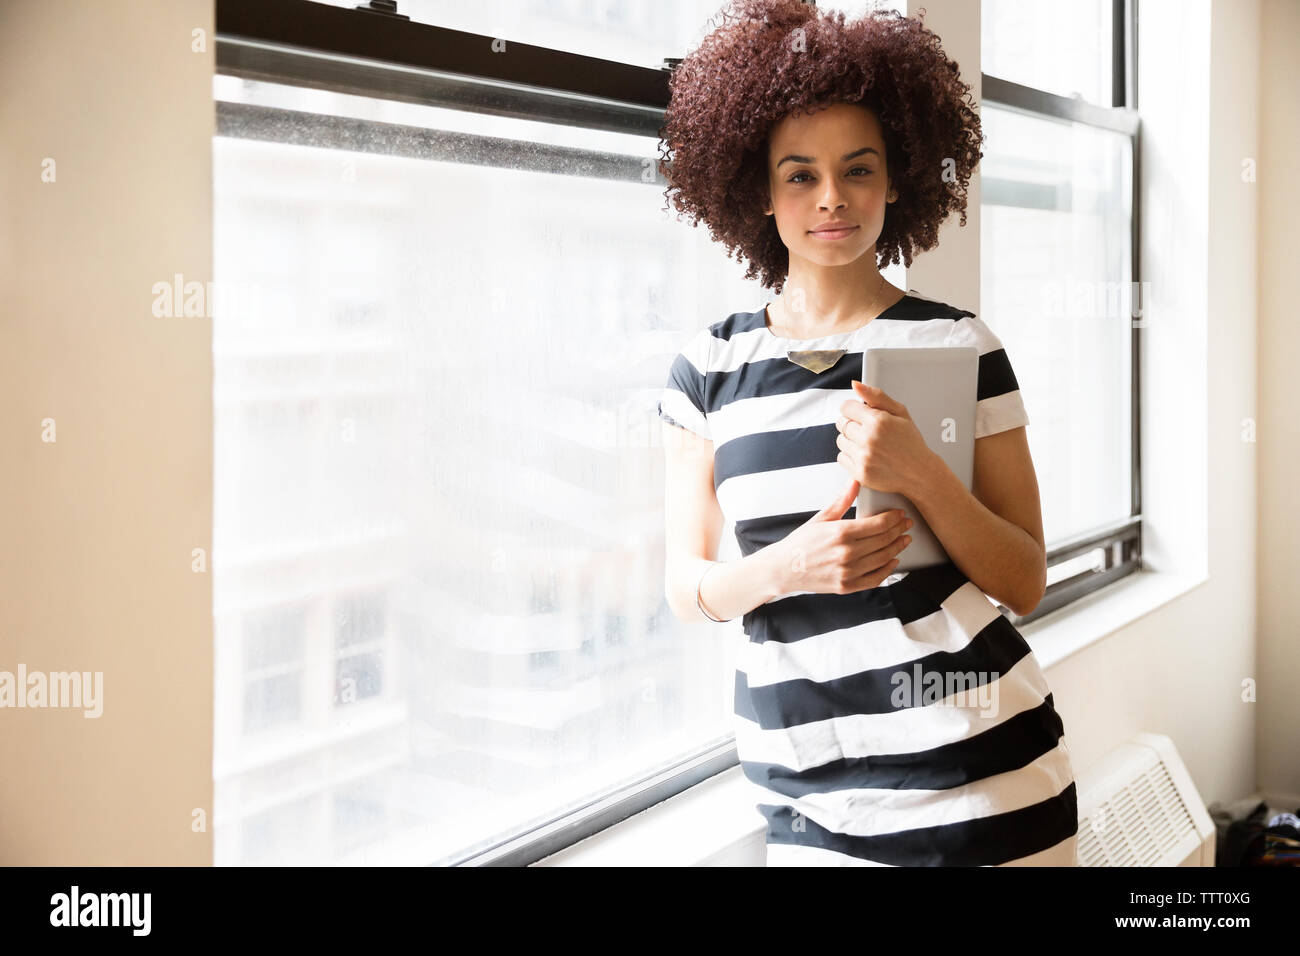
<point>815,360</point>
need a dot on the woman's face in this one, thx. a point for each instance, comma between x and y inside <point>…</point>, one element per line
<point>825,167</point>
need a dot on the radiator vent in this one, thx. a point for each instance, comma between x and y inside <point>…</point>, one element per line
<point>1139,807</point>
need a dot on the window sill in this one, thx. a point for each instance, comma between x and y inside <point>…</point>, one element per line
<point>1070,629</point>
<point>715,824</point>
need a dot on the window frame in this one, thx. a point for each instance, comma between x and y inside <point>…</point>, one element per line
<point>1122,539</point>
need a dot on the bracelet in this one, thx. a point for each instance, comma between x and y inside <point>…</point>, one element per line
<point>699,603</point>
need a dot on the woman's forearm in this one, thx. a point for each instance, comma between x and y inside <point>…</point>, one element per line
<point>731,589</point>
<point>1001,558</point>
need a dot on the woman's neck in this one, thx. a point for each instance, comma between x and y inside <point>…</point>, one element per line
<point>812,324</point>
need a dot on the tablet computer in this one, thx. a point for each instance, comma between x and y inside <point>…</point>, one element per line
<point>938,385</point>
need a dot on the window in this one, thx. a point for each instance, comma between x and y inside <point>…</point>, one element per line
<point>1060,272</point>
<point>1061,48</point>
<point>273,668</point>
<point>359,640</point>
<point>441,633</point>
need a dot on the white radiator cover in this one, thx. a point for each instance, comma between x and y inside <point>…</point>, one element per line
<point>1139,807</point>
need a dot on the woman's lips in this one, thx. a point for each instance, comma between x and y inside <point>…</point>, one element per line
<point>834,233</point>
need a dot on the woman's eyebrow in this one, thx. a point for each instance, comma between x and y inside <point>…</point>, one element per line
<point>843,159</point>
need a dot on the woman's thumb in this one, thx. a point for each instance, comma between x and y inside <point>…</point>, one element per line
<point>835,510</point>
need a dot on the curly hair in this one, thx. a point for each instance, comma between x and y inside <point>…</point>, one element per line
<point>771,58</point>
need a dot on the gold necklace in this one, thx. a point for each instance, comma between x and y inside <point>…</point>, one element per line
<point>819,360</point>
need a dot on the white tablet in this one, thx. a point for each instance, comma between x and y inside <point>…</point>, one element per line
<point>939,386</point>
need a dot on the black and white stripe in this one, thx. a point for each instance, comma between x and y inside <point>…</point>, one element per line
<point>850,771</point>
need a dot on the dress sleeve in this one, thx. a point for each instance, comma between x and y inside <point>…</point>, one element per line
<point>683,400</point>
<point>999,405</point>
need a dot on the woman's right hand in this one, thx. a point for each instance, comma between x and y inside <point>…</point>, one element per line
<point>834,555</point>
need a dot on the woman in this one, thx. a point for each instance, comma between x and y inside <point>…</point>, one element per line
<point>889,718</point>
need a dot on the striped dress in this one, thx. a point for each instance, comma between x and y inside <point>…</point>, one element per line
<point>905,725</point>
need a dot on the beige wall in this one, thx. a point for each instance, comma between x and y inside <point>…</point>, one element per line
<point>99,526</point>
<point>1277,397</point>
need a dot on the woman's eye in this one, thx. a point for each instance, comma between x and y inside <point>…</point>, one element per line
<point>856,169</point>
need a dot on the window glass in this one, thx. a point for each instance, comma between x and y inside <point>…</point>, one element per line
<point>1056,287</point>
<point>439,479</point>
<point>1064,48</point>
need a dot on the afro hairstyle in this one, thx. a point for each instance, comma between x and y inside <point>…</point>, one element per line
<point>771,58</point>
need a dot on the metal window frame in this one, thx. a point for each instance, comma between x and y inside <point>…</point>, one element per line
<point>1121,540</point>
<point>354,51</point>
<point>372,54</point>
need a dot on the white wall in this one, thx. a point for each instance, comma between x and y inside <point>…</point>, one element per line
<point>1276,399</point>
<point>99,525</point>
<point>951,271</point>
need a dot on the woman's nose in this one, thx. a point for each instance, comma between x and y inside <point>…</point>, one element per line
<point>831,199</point>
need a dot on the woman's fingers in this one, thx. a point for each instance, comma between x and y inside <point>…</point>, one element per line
<point>879,556</point>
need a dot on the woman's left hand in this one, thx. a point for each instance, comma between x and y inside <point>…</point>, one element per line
<point>879,444</point>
